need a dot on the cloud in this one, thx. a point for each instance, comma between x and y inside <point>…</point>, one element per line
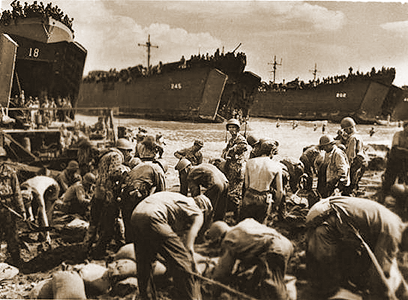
<point>397,28</point>
<point>112,38</point>
<point>281,12</point>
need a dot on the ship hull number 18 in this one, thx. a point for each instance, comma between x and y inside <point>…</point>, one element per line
<point>34,52</point>
<point>175,86</point>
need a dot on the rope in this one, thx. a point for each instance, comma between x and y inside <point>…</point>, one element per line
<point>225,287</point>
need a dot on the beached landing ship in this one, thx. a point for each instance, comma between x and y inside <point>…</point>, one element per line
<point>366,97</point>
<point>202,88</point>
<point>38,53</point>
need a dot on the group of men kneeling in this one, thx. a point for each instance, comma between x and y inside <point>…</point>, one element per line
<point>168,224</point>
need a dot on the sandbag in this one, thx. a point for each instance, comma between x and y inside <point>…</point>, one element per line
<point>125,252</point>
<point>125,287</point>
<point>122,269</point>
<point>7,271</point>
<point>290,282</point>
<point>95,277</point>
<point>77,224</point>
<point>43,290</point>
<point>68,285</point>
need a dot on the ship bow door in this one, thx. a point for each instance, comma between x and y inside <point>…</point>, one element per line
<point>213,90</point>
<point>8,52</point>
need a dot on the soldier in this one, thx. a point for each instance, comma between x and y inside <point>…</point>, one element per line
<point>253,244</point>
<point>235,154</point>
<point>335,170</point>
<point>255,144</point>
<point>214,181</point>
<point>68,177</point>
<point>77,198</point>
<point>342,231</point>
<point>397,160</point>
<point>142,181</point>
<point>42,193</point>
<point>194,156</point>
<point>104,207</point>
<point>355,154</point>
<point>158,223</point>
<point>10,196</point>
<point>263,185</point>
<point>148,149</point>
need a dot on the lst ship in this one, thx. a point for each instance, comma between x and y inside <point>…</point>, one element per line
<point>202,88</point>
<point>366,97</point>
<point>38,58</point>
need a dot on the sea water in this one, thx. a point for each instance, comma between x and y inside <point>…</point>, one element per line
<point>179,135</point>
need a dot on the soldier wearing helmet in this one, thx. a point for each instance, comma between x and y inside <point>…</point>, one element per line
<point>104,206</point>
<point>355,153</point>
<point>142,181</point>
<point>335,169</point>
<point>10,196</point>
<point>148,149</point>
<point>194,156</point>
<point>77,199</point>
<point>68,176</point>
<point>158,224</point>
<point>397,160</point>
<point>236,154</point>
<point>249,241</point>
<point>126,147</point>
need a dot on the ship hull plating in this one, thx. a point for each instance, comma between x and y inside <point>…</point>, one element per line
<point>192,95</point>
<point>364,99</point>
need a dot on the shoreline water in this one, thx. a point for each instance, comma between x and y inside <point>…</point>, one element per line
<point>179,135</point>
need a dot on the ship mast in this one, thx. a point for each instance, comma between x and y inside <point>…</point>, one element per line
<point>274,67</point>
<point>148,45</point>
<point>314,72</point>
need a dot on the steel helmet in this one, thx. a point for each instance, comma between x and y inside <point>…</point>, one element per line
<point>162,164</point>
<point>252,140</point>
<point>347,123</point>
<point>216,231</point>
<point>325,140</point>
<point>233,122</point>
<point>73,165</point>
<point>3,151</point>
<point>182,164</point>
<point>124,144</point>
<point>119,172</point>
<point>89,178</point>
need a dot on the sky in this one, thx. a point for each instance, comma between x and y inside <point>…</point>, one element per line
<point>329,35</point>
